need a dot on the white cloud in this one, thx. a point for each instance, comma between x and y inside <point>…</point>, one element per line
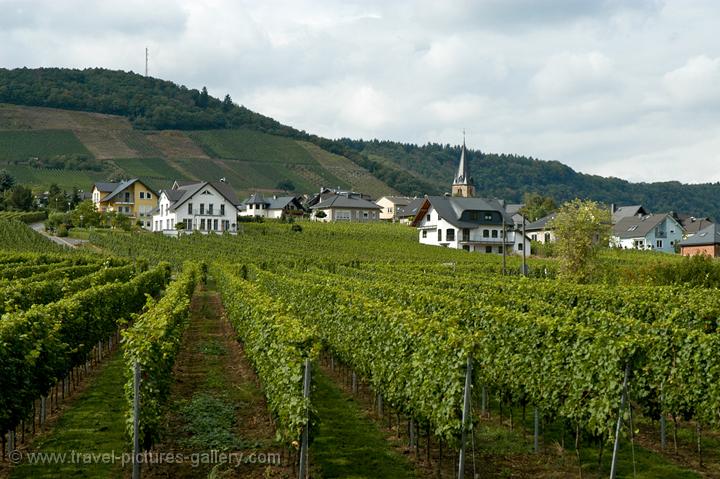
<point>620,88</point>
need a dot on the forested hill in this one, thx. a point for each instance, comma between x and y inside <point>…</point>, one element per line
<point>509,176</point>
<point>154,104</point>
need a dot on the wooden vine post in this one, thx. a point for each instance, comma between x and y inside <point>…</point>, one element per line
<point>136,421</point>
<point>616,446</point>
<point>465,417</point>
<point>303,469</point>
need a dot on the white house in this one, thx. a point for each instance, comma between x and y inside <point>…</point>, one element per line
<point>345,207</point>
<point>658,232</point>
<point>201,206</point>
<point>464,222</point>
<point>540,230</point>
<point>276,207</point>
<point>472,224</point>
<point>391,206</point>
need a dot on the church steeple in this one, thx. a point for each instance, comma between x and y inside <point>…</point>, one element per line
<point>463,184</point>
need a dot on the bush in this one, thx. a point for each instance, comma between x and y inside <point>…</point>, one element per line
<point>62,231</point>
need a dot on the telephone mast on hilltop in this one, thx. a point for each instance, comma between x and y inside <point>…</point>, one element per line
<point>146,61</point>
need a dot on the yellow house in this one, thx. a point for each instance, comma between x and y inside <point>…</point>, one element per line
<point>131,197</point>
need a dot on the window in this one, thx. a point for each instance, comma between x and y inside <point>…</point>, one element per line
<point>500,249</point>
<point>488,249</point>
<point>343,216</point>
<point>519,246</point>
<point>222,209</point>
<point>494,233</point>
<point>474,215</point>
<point>486,233</point>
<point>202,223</point>
<point>427,218</point>
<point>439,235</point>
<point>188,224</point>
<point>365,214</point>
<point>659,243</point>
<point>215,225</point>
<point>148,196</point>
<point>424,233</point>
<point>533,237</point>
<point>127,197</point>
<point>142,195</point>
<point>202,208</point>
<point>189,208</point>
<point>450,235</point>
<point>488,216</point>
<point>547,237</point>
<point>210,208</point>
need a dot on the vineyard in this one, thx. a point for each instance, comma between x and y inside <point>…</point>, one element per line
<point>437,345</point>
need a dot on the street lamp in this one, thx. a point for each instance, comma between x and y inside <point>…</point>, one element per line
<point>81,221</point>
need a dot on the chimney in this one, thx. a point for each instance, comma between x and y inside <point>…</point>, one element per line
<point>613,208</point>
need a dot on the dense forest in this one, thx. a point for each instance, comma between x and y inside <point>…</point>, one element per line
<point>151,103</point>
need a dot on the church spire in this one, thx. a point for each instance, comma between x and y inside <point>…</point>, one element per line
<point>462,185</point>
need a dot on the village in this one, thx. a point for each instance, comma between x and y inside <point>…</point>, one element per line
<point>459,220</point>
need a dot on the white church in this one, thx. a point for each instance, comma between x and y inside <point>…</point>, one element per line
<point>462,221</point>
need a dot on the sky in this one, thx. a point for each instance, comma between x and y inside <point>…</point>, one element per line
<point>624,88</point>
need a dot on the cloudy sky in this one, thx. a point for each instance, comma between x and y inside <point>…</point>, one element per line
<point>626,88</point>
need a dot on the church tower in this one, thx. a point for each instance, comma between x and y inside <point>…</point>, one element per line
<point>463,184</point>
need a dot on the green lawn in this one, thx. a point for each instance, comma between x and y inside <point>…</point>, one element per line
<point>95,423</point>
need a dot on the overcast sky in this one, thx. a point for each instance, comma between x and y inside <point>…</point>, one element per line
<point>617,88</point>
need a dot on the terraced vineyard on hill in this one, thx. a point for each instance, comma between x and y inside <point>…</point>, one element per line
<point>249,160</point>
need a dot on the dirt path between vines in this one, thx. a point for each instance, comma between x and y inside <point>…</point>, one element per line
<point>217,418</point>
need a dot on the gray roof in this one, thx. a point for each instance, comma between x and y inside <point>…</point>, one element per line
<point>691,224</point>
<point>541,223</point>
<point>120,187</point>
<point>628,211</point>
<point>281,202</point>
<point>345,201</point>
<point>637,227</point>
<point>181,194</point>
<point>462,177</point>
<point>451,208</point>
<point>256,199</point>
<point>411,209</point>
<point>105,186</point>
<point>512,209</point>
<point>707,236</point>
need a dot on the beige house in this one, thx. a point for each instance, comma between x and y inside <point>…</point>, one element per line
<point>541,230</point>
<point>391,206</point>
<point>131,198</point>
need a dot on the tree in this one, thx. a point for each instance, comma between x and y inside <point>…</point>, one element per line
<point>203,99</point>
<point>57,199</point>
<point>19,198</point>
<point>86,210</point>
<point>227,104</point>
<point>320,214</point>
<point>537,206</point>
<point>6,180</point>
<point>120,221</point>
<point>582,228</point>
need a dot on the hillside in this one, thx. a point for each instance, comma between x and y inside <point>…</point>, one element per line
<point>40,146</point>
<point>157,129</point>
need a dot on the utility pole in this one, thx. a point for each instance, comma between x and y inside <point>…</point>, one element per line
<point>147,54</point>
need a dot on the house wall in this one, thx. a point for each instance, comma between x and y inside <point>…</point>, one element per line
<point>388,208</point>
<point>708,250</point>
<point>354,215</point>
<point>204,222</point>
<point>673,235</point>
<point>542,236</point>
<point>428,234</point>
<point>257,210</point>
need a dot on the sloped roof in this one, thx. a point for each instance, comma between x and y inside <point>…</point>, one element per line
<point>256,199</point>
<point>637,227</point>
<point>181,194</point>
<point>411,209</point>
<point>398,200</point>
<point>105,187</point>
<point>451,208</point>
<point>541,223</point>
<point>280,202</point>
<point>122,186</point>
<point>691,224</point>
<point>707,236</point>
<point>627,211</point>
<point>345,201</point>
